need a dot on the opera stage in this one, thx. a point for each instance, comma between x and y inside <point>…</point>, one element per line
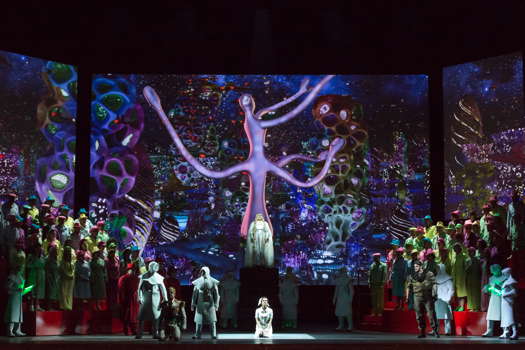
<point>238,340</point>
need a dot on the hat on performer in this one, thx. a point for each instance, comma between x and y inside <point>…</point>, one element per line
<point>376,254</point>
<point>395,242</point>
<point>400,250</point>
<point>82,211</point>
<point>440,224</point>
<point>428,217</point>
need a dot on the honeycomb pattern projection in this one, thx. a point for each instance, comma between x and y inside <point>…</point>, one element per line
<point>342,201</point>
<point>56,118</point>
<point>117,160</point>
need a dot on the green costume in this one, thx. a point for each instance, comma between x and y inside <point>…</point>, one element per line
<point>483,229</point>
<point>36,275</point>
<point>376,281</point>
<point>98,279</point>
<point>516,225</point>
<point>430,232</point>
<point>67,282</point>
<point>473,283</point>
<point>459,262</point>
<point>52,279</point>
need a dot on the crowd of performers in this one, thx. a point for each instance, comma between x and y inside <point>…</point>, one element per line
<point>50,260</point>
<point>462,266</point>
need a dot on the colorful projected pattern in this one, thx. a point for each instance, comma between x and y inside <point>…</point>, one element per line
<point>484,131</point>
<point>37,127</point>
<point>344,167</point>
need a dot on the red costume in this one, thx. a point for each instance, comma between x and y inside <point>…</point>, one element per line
<point>128,285</point>
<point>113,273</point>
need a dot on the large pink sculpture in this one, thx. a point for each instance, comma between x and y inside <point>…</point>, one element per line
<point>257,165</point>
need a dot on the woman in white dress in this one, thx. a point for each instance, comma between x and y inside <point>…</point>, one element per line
<point>445,292</point>
<point>259,244</point>
<point>263,319</point>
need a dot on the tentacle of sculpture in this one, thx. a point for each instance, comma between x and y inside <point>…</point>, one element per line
<point>302,90</point>
<point>335,146</point>
<point>299,108</point>
<point>292,157</point>
<point>153,99</point>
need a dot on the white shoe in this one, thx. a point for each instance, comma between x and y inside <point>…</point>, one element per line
<point>504,335</point>
<point>488,333</point>
<point>20,334</point>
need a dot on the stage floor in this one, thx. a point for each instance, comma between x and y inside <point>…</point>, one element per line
<point>229,340</point>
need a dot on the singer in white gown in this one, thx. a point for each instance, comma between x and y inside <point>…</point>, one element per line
<point>259,244</point>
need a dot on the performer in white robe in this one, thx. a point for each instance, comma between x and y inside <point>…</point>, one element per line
<point>495,289</point>
<point>205,302</point>
<point>13,312</point>
<point>259,244</point>
<point>263,319</point>
<point>151,289</point>
<point>229,293</point>
<point>289,298</point>
<point>343,297</point>
<point>508,296</point>
<point>445,292</point>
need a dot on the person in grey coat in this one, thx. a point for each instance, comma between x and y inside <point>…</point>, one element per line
<point>150,291</point>
<point>205,302</point>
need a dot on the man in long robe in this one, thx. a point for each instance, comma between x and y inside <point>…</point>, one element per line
<point>483,224</point>
<point>229,295</point>
<point>376,280</point>
<point>398,278</point>
<point>459,276</point>
<point>343,298</point>
<point>289,298</point>
<point>516,222</point>
<point>473,280</point>
<point>128,285</point>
